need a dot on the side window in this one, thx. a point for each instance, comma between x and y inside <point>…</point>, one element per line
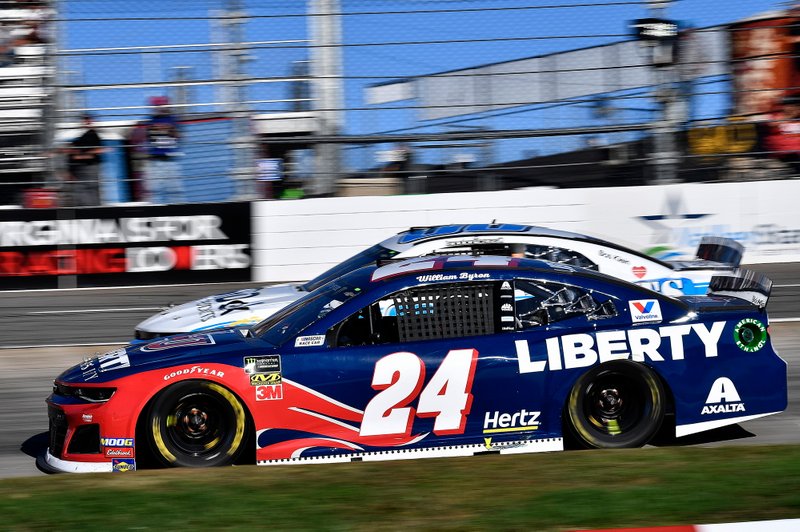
<point>424,313</point>
<point>561,255</point>
<point>542,303</point>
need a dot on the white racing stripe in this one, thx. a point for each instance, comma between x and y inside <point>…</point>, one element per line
<point>89,310</point>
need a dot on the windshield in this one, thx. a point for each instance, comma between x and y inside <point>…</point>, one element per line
<point>303,312</point>
<point>368,256</point>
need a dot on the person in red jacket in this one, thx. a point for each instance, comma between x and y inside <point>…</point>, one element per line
<point>782,138</point>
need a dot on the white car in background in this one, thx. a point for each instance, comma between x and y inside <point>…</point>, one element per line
<point>251,305</point>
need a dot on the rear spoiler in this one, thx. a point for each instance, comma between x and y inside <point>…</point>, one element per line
<point>742,284</point>
<point>719,249</point>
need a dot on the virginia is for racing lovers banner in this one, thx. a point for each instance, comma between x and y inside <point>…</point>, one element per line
<point>105,246</point>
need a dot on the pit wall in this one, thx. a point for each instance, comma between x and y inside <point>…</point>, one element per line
<point>296,240</point>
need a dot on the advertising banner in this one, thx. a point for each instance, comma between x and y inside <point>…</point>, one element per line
<point>763,64</point>
<point>104,246</point>
<point>296,240</point>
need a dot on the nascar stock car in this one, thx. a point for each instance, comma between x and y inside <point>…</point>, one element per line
<point>431,356</point>
<point>251,305</point>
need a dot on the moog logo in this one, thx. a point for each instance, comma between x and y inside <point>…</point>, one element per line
<point>116,442</point>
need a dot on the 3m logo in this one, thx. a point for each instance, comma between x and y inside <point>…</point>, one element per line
<point>723,398</point>
<point>269,392</point>
<point>645,311</point>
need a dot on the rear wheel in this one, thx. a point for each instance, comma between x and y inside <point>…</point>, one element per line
<point>196,424</point>
<point>618,404</point>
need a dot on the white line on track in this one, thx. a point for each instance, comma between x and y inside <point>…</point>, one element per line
<point>89,310</point>
<point>791,285</point>
<point>783,320</point>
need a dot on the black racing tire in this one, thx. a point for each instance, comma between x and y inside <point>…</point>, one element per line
<point>616,405</point>
<point>196,423</point>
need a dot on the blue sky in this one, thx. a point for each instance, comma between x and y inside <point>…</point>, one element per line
<point>576,26</point>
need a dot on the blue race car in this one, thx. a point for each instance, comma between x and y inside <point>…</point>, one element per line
<point>433,356</point>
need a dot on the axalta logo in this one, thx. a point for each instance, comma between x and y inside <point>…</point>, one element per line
<point>645,310</point>
<point>496,422</point>
<point>583,350</point>
<point>723,398</point>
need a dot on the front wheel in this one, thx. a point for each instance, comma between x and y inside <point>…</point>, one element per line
<point>618,404</point>
<point>196,424</point>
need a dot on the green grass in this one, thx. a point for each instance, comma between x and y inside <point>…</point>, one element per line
<point>558,491</point>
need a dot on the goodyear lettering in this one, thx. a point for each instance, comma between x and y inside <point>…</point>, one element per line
<point>582,350</point>
<point>504,422</point>
<point>196,370</point>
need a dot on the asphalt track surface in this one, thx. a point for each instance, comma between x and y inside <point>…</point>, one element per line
<point>44,332</point>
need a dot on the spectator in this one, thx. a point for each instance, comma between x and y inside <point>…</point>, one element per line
<point>6,45</point>
<point>782,138</point>
<point>83,156</point>
<point>163,171</point>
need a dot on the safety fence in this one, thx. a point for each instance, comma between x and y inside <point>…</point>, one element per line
<point>221,100</point>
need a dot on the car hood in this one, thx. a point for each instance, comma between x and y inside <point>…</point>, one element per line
<point>232,309</point>
<point>160,353</point>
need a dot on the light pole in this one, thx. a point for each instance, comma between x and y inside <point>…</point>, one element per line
<point>326,90</point>
<point>658,36</point>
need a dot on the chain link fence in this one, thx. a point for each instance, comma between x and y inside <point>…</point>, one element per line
<point>218,100</point>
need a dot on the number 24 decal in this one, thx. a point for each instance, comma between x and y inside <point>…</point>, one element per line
<point>399,377</point>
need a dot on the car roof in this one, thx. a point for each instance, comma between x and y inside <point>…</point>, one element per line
<point>438,264</point>
<point>418,235</point>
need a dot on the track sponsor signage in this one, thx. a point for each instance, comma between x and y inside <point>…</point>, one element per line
<point>125,245</point>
